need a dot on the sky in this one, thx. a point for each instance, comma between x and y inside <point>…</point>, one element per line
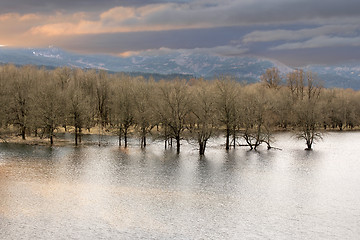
<point>295,32</point>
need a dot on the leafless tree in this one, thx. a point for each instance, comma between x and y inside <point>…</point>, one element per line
<point>203,121</point>
<point>144,100</point>
<point>227,93</point>
<point>123,106</point>
<point>49,99</point>
<point>256,120</point>
<point>21,97</point>
<point>78,107</point>
<point>306,93</point>
<point>174,107</point>
<point>272,78</point>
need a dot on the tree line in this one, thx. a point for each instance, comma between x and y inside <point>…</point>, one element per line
<point>38,102</point>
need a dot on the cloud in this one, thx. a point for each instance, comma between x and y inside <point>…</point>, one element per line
<point>291,35</point>
<point>203,14</point>
<point>14,27</point>
<point>154,17</point>
<point>225,50</point>
<point>130,26</point>
<point>69,6</point>
<point>320,42</point>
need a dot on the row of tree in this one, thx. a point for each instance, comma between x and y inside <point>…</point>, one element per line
<point>39,102</point>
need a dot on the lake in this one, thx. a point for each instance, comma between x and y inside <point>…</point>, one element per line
<point>107,192</point>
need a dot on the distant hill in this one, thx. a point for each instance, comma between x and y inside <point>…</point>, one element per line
<point>182,64</point>
<point>341,75</point>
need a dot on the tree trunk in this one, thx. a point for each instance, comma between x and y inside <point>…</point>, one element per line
<point>76,136</point>
<point>177,144</point>
<point>309,144</point>
<point>234,137</point>
<point>125,138</point>
<point>51,134</point>
<point>120,136</point>
<point>143,138</point>
<point>80,133</point>
<point>202,147</point>
<point>166,138</point>
<point>227,138</point>
<point>309,140</point>
<point>23,130</point>
<point>143,141</point>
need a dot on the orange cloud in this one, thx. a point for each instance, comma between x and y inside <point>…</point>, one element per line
<point>14,28</point>
<point>126,19</point>
<point>128,54</point>
<point>29,17</point>
<point>37,29</point>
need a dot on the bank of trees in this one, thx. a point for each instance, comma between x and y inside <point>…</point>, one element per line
<point>40,102</point>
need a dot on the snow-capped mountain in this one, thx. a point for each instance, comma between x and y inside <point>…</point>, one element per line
<point>198,65</point>
<point>178,62</point>
<point>341,75</point>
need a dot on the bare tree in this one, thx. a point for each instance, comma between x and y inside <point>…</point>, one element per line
<point>3,95</point>
<point>227,93</point>
<point>123,106</point>
<point>33,99</point>
<point>21,97</point>
<point>256,120</point>
<point>49,100</point>
<point>144,118</point>
<point>174,107</point>
<point>271,78</point>
<point>79,109</point>
<point>99,90</point>
<point>203,121</point>
<point>305,90</point>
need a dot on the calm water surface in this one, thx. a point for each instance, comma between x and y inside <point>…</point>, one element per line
<point>107,192</point>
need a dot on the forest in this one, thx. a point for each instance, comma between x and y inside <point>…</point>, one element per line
<point>41,103</point>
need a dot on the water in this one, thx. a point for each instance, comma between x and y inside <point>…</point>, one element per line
<point>107,192</point>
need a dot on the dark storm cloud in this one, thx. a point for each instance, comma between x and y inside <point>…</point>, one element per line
<point>138,41</point>
<point>303,57</point>
<point>274,28</point>
<point>49,6</point>
<point>248,11</point>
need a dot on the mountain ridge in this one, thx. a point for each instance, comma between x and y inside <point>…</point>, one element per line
<point>179,62</point>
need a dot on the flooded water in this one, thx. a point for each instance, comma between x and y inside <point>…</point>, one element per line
<point>107,192</point>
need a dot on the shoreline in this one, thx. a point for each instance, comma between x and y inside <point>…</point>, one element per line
<point>35,141</point>
<point>61,142</point>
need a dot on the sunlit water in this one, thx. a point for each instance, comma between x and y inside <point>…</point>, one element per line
<point>107,192</point>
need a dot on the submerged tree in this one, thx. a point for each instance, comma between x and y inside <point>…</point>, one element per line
<point>227,93</point>
<point>21,97</point>
<point>174,108</point>
<point>36,100</point>
<point>49,99</point>
<point>144,101</point>
<point>102,96</point>
<point>306,93</point>
<point>78,107</point>
<point>256,120</point>
<point>123,107</point>
<point>203,121</point>
<point>3,95</point>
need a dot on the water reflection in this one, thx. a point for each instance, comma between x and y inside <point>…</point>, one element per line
<point>112,193</point>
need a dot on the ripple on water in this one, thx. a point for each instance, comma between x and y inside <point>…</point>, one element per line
<point>105,192</point>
